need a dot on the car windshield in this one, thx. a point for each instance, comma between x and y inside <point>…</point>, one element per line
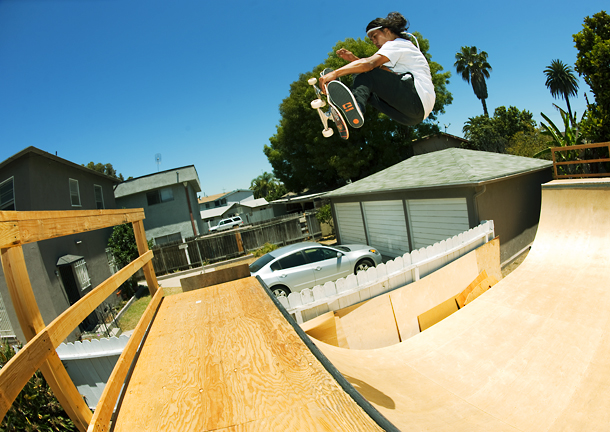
<point>343,248</point>
<point>260,263</point>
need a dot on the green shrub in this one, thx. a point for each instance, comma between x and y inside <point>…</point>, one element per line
<point>36,409</point>
<point>266,248</point>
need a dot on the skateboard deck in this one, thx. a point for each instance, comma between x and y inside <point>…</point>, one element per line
<point>330,114</point>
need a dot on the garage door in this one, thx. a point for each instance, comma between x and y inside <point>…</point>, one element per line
<point>386,227</point>
<point>434,220</point>
<point>349,221</point>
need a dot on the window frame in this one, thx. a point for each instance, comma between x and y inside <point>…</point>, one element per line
<point>4,206</point>
<point>70,180</point>
<point>101,189</point>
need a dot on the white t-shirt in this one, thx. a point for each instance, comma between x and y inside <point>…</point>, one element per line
<point>405,57</point>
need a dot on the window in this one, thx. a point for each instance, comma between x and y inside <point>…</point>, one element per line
<point>319,254</point>
<point>7,195</point>
<point>294,260</point>
<point>74,193</point>
<point>160,196</point>
<point>82,274</point>
<point>99,197</point>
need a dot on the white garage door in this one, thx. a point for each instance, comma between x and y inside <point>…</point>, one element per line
<point>349,221</point>
<point>387,227</point>
<point>434,220</point>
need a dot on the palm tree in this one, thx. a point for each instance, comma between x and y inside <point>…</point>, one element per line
<point>561,81</point>
<point>474,68</point>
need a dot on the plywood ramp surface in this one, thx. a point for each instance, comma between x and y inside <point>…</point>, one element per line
<point>225,358</point>
<point>530,354</point>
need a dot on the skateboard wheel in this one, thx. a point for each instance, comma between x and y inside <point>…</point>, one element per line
<point>312,81</point>
<point>318,103</point>
<point>328,132</point>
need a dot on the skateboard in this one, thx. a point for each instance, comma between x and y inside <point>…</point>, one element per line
<point>330,114</point>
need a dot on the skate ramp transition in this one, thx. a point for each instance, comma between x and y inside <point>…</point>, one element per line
<point>530,354</point>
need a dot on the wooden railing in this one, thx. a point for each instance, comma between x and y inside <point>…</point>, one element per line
<point>578,167</point>
<point>19,228</point>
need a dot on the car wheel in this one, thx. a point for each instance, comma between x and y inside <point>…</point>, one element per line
<point>280,291</point>
<point>363,265</point>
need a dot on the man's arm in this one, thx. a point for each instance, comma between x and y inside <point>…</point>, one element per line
<point>356,66</point>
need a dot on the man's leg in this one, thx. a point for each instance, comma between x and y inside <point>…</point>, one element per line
<point>391,95</point>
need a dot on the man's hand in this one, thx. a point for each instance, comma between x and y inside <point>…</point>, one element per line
<point>326,78</point>
<point>347,55</point>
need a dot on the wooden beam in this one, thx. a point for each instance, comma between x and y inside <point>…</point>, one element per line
<point>32,324</point>
<point>63,325</point>
<point>103,412</point>
<point>15,216</point>
<point>58,224</point>
<point>149,271</point>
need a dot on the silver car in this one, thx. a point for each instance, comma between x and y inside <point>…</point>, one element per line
<point>304,265</point>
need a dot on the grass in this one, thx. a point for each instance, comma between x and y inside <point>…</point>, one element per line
<point>130,318</point>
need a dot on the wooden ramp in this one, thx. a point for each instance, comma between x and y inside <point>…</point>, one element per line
<point>530,354</point>
<point>225,358</point>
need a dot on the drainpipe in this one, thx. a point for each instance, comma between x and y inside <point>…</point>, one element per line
<point>188,201</point>
<point>476,202</point>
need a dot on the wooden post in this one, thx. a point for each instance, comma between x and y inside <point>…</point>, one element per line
<point>26,308</point>
<point>149,271</point>
<point>240,244</point>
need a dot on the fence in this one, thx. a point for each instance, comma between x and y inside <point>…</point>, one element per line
<point>19,228</point>
<point>218,247</point>
<point>90,363</point>
<point>310,303</point>
<point>586,160</point>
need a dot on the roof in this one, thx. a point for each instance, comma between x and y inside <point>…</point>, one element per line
<point>55,158</point>
<point>217,196</point>
<point>215,212</point>
<point>258,202</point>
<point>157,180</point>
<point>210,198</point>
<point>298,198</point>
<point>445,168</point>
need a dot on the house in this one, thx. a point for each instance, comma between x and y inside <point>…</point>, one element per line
<point>61,270</point>
<point>169,200</point>
<point>224,199</point>
<point>240,202</point>
<point>436,142</point>
<point>434,196</point>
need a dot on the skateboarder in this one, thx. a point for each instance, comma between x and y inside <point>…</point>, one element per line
<point>396,80</point>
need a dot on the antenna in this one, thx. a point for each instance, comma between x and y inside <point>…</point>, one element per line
<point>158,160</point>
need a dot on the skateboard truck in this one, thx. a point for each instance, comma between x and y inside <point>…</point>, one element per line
<point>318,104</point>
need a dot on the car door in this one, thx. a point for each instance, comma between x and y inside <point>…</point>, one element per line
<point>326,265</point>
<point>295,272</point>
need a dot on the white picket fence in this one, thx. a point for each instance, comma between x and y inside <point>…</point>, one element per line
<point>90,363</point>
<point>310,303</point>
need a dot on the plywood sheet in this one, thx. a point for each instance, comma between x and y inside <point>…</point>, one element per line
<point>224,357</point>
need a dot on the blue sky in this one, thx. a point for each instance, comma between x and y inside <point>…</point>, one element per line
<point>200,82</point>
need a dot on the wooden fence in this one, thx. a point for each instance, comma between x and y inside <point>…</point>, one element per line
<point>237,242</point>
<point>19,228</point>
<point>579,161</point>
<point>402,270</point>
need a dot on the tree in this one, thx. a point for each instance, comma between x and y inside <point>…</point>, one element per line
<point>474,68</point>
<point>302,158</point>
<point>494,134</point>
<point>529,144</point>
<point>560,80</point>
<point>593,64</point>
<point>107,169</point>
<point>268,187</point>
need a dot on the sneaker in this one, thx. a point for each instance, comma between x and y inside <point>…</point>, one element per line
<point>342,98</point>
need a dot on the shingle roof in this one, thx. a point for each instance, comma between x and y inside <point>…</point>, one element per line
<point>445,168</point>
